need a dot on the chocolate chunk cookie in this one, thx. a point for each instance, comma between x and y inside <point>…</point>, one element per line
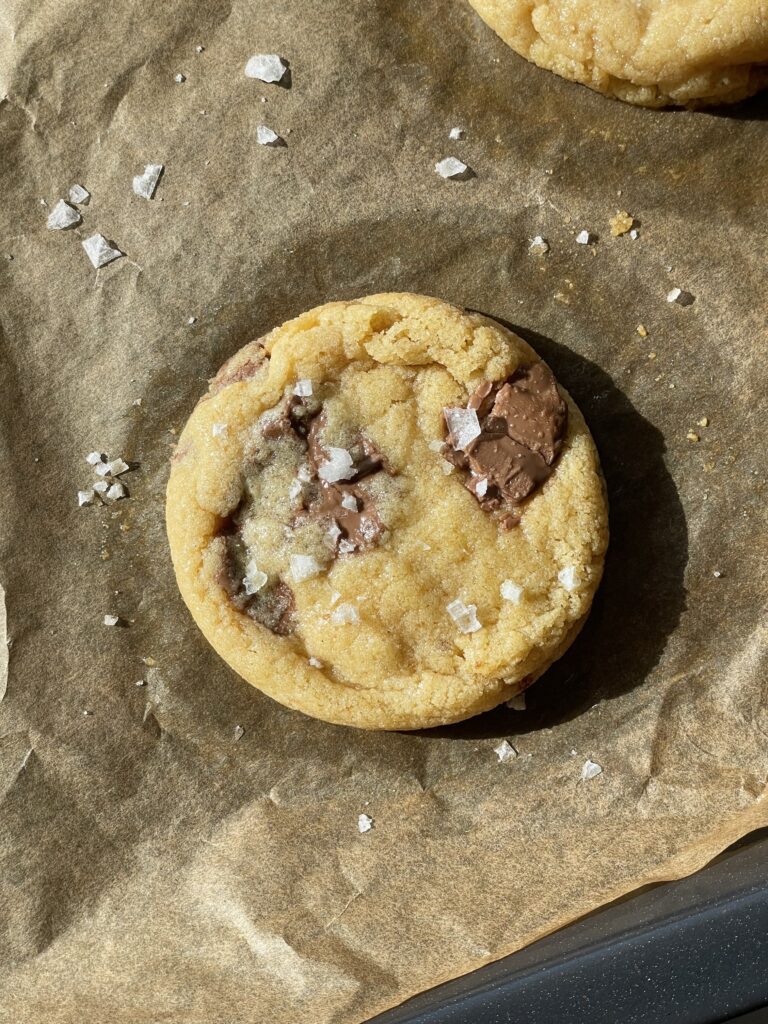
<point>387,513</point>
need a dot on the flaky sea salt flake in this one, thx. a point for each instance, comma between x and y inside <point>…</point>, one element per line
<point>94,458</point>
<point>79,195</point>
<point>451,167</point>
<point>144,185</point>
<point>238,732</point>
<point>464,615</point>
<point>481,487</point>
<point>349,502</point>
<point>294,491</point>
<point>539,246</point>
<point>99,251</point>
<point>85,497</point>
<point>590,770</point>
<point>510,591</point>
<point>346,547</point>
<point>315,662</point>
<point>111,620</point>
<point>219,429</point>
<point>302,388</point>
<point>101,487</point>
<point>118,466</point>
<point>116,492</point>
<point>463,425</point>
<point>455,134</point>
<point>265,136</point>
<point>568,578</point>
<point>266,67</point>
<point>338,466</point>
<point>179,78</point>
<point>63,216</point>
<point>344,615</point>
<point>505,752</point>
<point>679,296</point>
<point>303,567</point>
<point>254,578</point>
<point>585,238</point>
<point>517,702</point>
<point>364,823</point>
<point>436,446</point>
<point>101,469</point>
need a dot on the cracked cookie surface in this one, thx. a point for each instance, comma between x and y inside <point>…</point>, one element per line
<point>354,558</point>
<point>653,53</point>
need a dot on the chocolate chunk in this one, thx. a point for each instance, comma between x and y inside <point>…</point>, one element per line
<point>360,527</point>
<point>522,422</point>
<point>273,606</point>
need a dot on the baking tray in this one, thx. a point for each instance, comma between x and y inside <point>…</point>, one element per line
<point>693,951</point>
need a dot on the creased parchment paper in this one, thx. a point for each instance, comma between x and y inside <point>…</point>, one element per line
<point>155,868</point>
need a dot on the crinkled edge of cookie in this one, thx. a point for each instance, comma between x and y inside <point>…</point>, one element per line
<point>697,84</point>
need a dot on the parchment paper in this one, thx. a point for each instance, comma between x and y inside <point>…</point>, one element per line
<point>153,867</point>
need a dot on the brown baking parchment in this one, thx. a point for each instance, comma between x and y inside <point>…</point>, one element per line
<point>154,868</point>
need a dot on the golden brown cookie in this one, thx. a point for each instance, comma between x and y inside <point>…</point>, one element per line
<point>654,53</point>
<point>387,514</point>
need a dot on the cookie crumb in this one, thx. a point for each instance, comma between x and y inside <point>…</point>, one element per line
<point>510,591</point>
<point>590,770</point>
<point>344,615</point>
<point>621,223</point>
<point>703,422</point>
<point>585,238</point>
<point>642,331</point>
<point>254,578</point>
<point>679,296</point>
<point>692,436</point>
<point>144,185</point>
<point>85,497</point>
<point>302,388</point>
<point>464,615</point>
<point>79,195</point>
<point>265,136</point>
<point>568,578</point>
<point>266,67</point>
<point>517,702</point>
<point>364,823</point>
<point>463,426</point>
<point>99,251</point>
<point>238,732</point>
<point>111,620</point>
<point>338,466</point>
<point>539,246</point>
<point>63,216</point>
<point>451,167</point>
<point>505,752</point>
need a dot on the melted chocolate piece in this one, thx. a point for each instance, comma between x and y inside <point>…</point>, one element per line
<point>360,527</point>
<point>522,422</point>
<point>273,606</point>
